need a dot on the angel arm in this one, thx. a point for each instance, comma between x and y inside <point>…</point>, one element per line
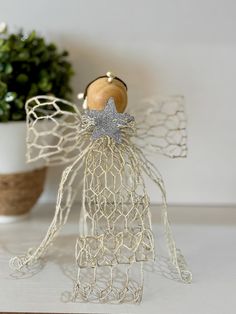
<point>67,192</point>
<point>176,257</point>
<point>53,130</point>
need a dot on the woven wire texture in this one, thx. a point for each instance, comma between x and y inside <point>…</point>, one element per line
<point>115,237</point>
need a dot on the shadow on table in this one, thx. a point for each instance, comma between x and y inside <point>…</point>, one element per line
<point>62,253</point>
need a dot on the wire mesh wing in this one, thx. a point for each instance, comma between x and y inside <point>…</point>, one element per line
<point>161,126</point>
<point>53,130</point>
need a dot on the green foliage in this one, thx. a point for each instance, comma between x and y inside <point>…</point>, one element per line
<point>28,67</point>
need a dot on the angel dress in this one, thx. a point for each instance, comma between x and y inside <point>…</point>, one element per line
<point>115,234</point>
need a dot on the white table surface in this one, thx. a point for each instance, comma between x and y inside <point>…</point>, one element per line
<point>206,235</point>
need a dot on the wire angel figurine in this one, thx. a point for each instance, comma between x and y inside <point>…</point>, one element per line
<point>109,146</point>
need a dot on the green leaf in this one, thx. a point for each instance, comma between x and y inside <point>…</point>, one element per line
<point>22,78</point>
<point>3,89</point>
<point>45,85</point>
<point>18,45</point>
<point>19,103</point>
<point>5,47</point>
<point>23,56</point>
<point>31,36</point>
<point>43,74</point>
<point>35,60</point>
<point>4,56</point>
<point>5,111</point>
<point>8,68</point>
<point>33,90</point>
<point>52,47</point>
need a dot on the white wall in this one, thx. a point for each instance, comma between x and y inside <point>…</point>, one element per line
<point>156,46</point>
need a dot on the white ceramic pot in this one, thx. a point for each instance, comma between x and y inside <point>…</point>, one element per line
<point>20,183</point>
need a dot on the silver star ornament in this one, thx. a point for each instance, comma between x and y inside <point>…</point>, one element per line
<point>107,122</point>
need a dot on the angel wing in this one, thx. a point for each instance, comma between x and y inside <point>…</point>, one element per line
<point>161,126</point>
<point>53,130</point>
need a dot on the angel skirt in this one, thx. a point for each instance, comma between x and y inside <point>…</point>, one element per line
<point>117,228</point>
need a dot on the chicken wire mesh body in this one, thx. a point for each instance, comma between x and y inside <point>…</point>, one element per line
<point>115,236</point>
<point>117,231</point>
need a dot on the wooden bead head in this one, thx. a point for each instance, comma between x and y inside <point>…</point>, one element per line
<point>99,91</point>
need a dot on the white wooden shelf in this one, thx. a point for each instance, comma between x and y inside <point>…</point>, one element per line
<point>206,235</point>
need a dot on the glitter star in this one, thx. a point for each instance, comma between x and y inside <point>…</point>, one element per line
<point>108,121</point>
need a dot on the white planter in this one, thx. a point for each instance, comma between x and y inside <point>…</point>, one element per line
<point>13,148</point>
<point>16,189</point>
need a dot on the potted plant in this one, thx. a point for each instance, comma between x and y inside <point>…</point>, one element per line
<point>29,66</point>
